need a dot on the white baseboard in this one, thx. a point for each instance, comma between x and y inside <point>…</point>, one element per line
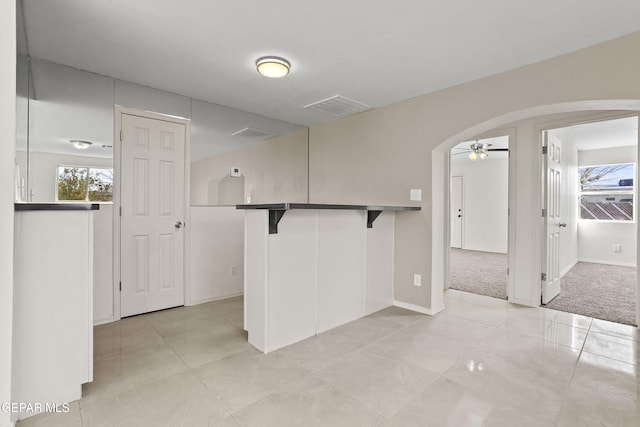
<point>103,321</point>
<point>417,308</point>
<point>599,261</point>
<point>216,298</point>
<point>566,270</point>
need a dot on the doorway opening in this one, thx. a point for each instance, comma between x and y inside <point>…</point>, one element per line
<point>479,206</point>
<point>590,227</point>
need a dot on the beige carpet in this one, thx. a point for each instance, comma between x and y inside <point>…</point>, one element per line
<point>483,273</point>
<point>602,291</point>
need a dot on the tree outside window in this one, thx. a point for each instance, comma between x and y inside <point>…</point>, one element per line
<point>85,184</point>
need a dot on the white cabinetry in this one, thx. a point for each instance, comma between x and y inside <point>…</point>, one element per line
<point>53,307</point>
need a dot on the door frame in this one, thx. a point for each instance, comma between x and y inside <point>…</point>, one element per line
<point>510,133</point>
<point>117,165</point>
<point>588,118</point>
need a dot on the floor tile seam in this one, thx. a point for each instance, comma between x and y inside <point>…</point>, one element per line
<point>476,322</point>
<point>612,359</point>
<point>120,354</point>
<point>357,342</point>
<point>419,395</point>
<point>357,349</point>
<point>237,420</point>
<point>235,353</point>
<point>380,356</point>
<point>366,405</point>
<point>175,353</point>
<point>558,322</point>
<point>602,391</point>
<point>495,351</point>
<point>617,337</point>
<point>365,346</point>
<point>206,387</point>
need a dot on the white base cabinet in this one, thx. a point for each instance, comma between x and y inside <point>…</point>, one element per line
<point>53,308</point>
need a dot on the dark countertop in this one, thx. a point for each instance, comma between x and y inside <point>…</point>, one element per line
<point>56,206</point>
<point>288,206</point>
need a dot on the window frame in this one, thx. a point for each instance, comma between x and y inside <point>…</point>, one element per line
<point>86,191</point>
<point>631,191</point>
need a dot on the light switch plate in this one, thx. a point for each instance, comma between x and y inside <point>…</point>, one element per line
<point>415,194</point>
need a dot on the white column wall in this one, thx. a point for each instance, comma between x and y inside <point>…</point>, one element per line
<point>322,269</point>
<point>7,168</point>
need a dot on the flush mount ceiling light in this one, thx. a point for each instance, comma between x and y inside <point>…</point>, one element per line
<point>79,144</point>
<point>273,67</point>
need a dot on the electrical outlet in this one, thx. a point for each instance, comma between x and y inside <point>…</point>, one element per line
<point>417,280</point>
<point>617,247</point>
<point>234,270</point>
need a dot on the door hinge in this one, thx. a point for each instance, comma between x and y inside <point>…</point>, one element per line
<point>121,136</point>
<point>544,149</point>
<point>544,213</point>
<point>120,210</point>
<point>120,286</point>
<point>507,271</point>
<point>543,277</point>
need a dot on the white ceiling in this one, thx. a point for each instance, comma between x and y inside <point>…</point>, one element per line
<point>376,52</point>
<point>606,134</point>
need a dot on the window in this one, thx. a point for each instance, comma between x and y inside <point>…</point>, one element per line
<point>84,184</point>
<point>607,192</point>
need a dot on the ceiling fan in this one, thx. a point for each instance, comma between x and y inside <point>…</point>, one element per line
<point>477,150</point>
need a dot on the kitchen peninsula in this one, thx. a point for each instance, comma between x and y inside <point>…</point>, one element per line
<point>311,267</point>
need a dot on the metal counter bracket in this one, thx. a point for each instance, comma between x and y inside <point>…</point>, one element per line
<point>371,216</point>
<point>275,215</point>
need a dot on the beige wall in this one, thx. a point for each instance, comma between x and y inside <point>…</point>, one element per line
<point>377,156</point>
<point>7,156</point>
<point>274,170</point>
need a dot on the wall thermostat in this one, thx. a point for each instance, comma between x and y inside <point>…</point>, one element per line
<point>234,172</point>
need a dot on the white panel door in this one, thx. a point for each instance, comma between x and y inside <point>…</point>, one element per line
<point>152,202</point>
<point>456,211</point>
<point>552,225</point>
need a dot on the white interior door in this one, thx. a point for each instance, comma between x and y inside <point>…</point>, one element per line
<point>552,223</point>
<point>456,211</point>
<point>152,203</point>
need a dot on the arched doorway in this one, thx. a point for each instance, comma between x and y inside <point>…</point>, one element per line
<point>525,244</point>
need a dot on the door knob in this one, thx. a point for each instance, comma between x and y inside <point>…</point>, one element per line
<point>563,224</point>
<point>178,224</point>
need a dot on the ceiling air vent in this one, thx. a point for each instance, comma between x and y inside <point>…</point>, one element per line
<point>254,133</point>
<point>338,106</point>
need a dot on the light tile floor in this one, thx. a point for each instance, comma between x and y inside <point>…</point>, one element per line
<point>480,362</point>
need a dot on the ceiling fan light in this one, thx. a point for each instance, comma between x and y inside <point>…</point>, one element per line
<point>80,144</point>
<point>473,156</point>
<point>484,155</point>
<point>273,67</point>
